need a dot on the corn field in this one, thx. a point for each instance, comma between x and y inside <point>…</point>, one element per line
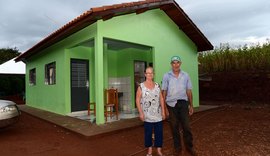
<point>254,58</point>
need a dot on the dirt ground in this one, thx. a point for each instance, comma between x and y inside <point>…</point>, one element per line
<point>249,87</point>
<point>233,130</point>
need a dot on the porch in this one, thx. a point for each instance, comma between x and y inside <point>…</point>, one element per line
<point>118,64</point>
<point>88,129</point>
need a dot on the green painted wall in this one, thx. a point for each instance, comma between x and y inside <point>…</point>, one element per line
<point>121,64</point>
<point>48,97</point>
<point>152,28</point>
<point>155,29</point>
<point>56,98</point>
<point>84,53</point>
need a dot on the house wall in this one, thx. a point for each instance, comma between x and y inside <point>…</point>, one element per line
<point>152,28</point>
<point>56,98</point>
<point>121,62</point>
<point>155,29</point>
<point>121,70</point>
<point>44,96</point>
<point>83,53</point>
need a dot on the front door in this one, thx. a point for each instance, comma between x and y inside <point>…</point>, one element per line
<point>79,84</point>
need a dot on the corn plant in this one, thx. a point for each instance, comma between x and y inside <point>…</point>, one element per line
<point>254,58</point>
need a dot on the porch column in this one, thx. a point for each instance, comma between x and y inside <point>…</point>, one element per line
<point>105,67</point>
<point>99,79</point>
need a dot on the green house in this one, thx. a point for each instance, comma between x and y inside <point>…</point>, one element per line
<point>106,47</point>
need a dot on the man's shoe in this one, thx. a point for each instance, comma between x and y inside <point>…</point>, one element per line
<point>191,151</point>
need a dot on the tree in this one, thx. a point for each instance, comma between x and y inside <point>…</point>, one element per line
<point>8,53</point>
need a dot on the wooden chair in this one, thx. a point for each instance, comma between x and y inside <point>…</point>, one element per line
<point>91,107</point>
<point>111,103</point>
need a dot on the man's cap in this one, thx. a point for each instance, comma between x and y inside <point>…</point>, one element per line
<point>176,58</point>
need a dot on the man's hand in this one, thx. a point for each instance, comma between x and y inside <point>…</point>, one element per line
<point>163,116</point>
<point>167,112</point>
<point>191,111</point>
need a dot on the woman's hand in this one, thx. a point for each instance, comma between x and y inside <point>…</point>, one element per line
<point>141,115</point>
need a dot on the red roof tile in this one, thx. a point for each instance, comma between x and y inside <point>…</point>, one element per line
<point>170,7</point>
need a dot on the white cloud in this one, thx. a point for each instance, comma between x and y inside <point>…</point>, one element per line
<point>26,22</point>
<point>230,21</point>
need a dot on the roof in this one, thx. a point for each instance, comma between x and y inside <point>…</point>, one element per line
<point>170,7</point>
<point>11,67</point>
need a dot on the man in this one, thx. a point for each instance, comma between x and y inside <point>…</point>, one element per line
<point>177,93</point>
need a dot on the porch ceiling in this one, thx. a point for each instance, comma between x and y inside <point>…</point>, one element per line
<point>115,45</point>
<point>120,45</point>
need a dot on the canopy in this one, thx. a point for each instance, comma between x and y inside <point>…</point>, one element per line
<point>11,67</point>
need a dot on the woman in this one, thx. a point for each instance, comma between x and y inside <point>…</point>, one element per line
<point>150,105</point>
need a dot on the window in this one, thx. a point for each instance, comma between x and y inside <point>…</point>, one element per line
<point>50,73</point>
<point>32,77</point>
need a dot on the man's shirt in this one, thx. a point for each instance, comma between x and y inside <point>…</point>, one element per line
<point>176,87</point>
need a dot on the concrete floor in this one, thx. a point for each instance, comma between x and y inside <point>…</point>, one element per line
<point>83,124</point>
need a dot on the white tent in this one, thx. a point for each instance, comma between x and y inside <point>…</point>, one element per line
<point>11,67</point>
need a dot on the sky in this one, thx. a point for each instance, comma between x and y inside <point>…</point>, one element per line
<point>26,22</point>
